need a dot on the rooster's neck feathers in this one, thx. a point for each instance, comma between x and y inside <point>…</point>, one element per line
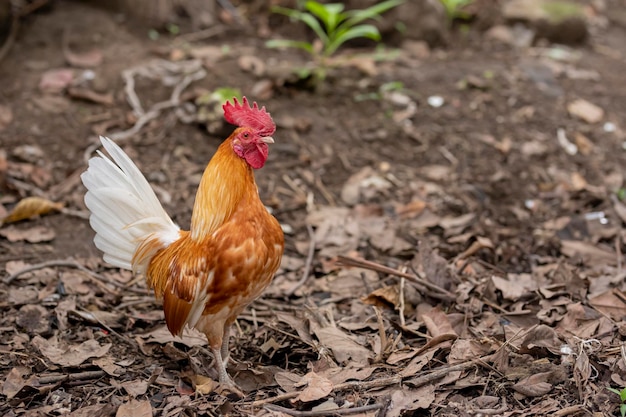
<point>226,181</point>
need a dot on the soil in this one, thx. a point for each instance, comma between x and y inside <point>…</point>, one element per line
<point>477,196</point>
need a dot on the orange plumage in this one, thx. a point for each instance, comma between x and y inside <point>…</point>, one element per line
<point>206,276</point>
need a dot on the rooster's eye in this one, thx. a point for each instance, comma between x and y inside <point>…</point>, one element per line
<point>246,135</point>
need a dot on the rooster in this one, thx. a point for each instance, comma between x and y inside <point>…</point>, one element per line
<point>207,275</point>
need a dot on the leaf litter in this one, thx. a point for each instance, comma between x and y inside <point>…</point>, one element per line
<point>478,282</point>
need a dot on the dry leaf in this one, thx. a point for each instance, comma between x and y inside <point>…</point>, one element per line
<point>386,297</point>
<point>161,335</point>
<point>135,408</point>
<point>33,319</point>
<point>317,387</point>
<point>136,387</point>
<point>70,355</point>
<point>585,111</point>
<point>287,380</point>
<point>203,384</point>
<point>14,382</point>
<point>411,210</point>
<point>590,254</point>
<point>30,207</point>
<point>437,323</point>
<point>542,336</point>
<point>610,303</point>
<point>535,385</point>
<point>108,365</point>
<point>343,347</point>
<point>407,399</point>
<point>515,286</point>
<point>35,234</point>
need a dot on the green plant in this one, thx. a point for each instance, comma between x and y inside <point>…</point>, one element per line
<point>622,397</point>
<point>454,9</point>
<point>333,27</point>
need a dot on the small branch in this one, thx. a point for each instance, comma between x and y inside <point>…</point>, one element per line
<point>308,264</point>
<point>76,265</point>
<point>80,376</point>
<point>334,412</point>
<point>441,293</point>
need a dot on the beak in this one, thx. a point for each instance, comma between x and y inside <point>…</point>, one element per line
<point>267,139</point>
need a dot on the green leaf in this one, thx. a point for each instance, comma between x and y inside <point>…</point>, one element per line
<point>361,31</point>
<point>373,12</point>
<point>314,24</point>
<point>330,14</point>
<point>286,43</point>
<point>294,14</point>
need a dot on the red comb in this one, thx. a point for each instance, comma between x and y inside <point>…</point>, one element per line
<point>244,115</point>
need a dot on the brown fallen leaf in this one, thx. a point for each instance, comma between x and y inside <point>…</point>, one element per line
<point>14,382</point>
<point>33,319</point>
<point>189,338</point>
<point>70,355</point>
<point>407,399</point>
<point>515,285</point>
<point>136,387</point>
<point>342,345</point>
<point>203,384</point>
<point>585,111</point>
<point>541,336</point>
<point>591,255</point>
<point>535,385</point>
<point>610,303</point>
<point>30,207</point>
<point>135,408</point>
<point>33,235</point>
<point>385,297</point>
<point>317,387</point>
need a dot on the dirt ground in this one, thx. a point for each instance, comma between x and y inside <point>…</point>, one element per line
<point>453,215</point>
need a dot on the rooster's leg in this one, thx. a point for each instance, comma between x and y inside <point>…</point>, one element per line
<point>221,369</point>
<point>227,384</point>
<point>225,350</point>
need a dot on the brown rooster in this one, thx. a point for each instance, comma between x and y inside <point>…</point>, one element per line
<point>206,276</point>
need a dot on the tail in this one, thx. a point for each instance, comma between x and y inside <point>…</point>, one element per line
<point>130,223</point>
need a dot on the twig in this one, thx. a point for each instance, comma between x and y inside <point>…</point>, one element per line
<point>76,265</point>
<point>202,34</point>
<point>362,263</point>
<point>80,376</point>
<point>334,412</point>
<point>309,261</point>
<point>90,316</point>
<point>192,71</point>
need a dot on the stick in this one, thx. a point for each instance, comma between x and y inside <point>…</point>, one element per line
<point>309,261</point>
<point>80,376</point>
<point>73,264</point>
<point>362,263</point>
<point>336,411</point>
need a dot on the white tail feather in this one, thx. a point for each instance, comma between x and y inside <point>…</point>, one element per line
<point>124,209</point>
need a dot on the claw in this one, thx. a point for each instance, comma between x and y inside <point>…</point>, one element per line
<point>229,387</point>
